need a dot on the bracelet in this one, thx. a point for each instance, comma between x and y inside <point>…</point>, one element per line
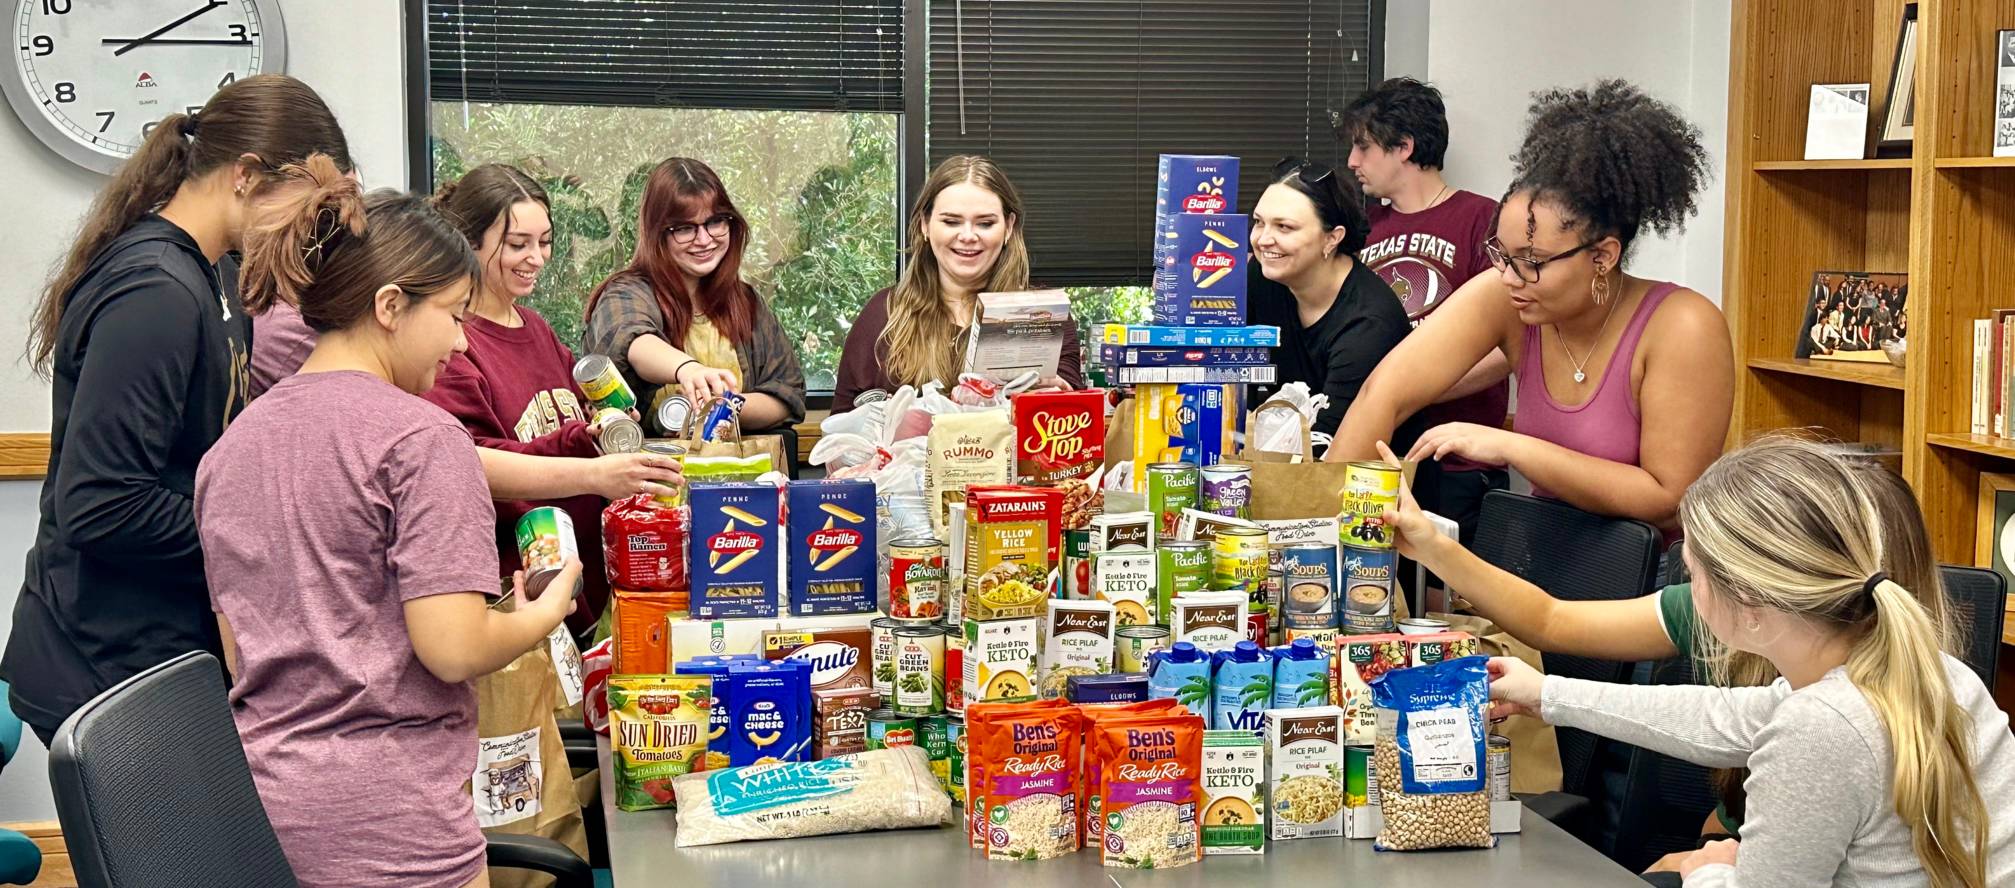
<point>675,370</point>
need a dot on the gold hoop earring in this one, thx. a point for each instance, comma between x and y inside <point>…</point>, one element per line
<point>1598,289</point>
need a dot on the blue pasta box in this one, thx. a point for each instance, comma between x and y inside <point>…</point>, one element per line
<point>1120,687</point>
<point>733,550</point>
<point>1201,356</point>
<point>830,532</point>
<point>1194,183</point>
<point>769,712</point>
<point>1189,337</point>
<point>717,718</point>
<point>1201,281</point>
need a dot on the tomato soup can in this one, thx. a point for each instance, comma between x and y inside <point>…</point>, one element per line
<point>955,665</point>
<point>1171,488</point>
<point>917,578</point>
<point>1135,643</point>
<point>603,383</point>
<point>1368,582</point>
<point>619,433</point>
<point>888,729</point>
<point>1369,488</point>
<point>1308,586</point>
<point>882,647</point>
<point>1182,567</point>
<point>920,670</point>
<point>545,542</point>
<point>1226,489</point>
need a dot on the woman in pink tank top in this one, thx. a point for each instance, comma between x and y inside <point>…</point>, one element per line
<point>1625,385</point>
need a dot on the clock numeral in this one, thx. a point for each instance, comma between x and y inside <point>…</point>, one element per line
<point>239,32</point>
<point>229,76</point>
<point>55,7</point>
<point>108,115</point>
<point>147,129</point>
<point>66,92</point>
<point>44,44</point>
<point>192,109</point>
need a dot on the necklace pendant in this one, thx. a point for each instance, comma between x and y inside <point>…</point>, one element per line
<point>1580,377</point>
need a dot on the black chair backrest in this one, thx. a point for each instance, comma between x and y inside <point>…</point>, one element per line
<point>1665,800</point>
<point>1978,599</point>
<point>1675,566</point>
<point>153,789</point>
<point>1574,556</point>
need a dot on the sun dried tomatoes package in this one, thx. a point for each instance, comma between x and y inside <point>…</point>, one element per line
<point>644,544</point>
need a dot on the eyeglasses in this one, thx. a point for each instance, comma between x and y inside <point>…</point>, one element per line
<point>686,232</point>
<point>1527,269</point>
<point>1311,172</point>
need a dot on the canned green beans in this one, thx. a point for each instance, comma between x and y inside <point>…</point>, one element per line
<point>603,383</point>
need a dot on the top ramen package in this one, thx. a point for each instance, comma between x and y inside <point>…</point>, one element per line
<point>644,544</point>
<point>1011,544</point>
<point>733,550</point>
<point>1058,435</point>
<point>831,536</point>
<point>966,449</point>
<point>658,731</point>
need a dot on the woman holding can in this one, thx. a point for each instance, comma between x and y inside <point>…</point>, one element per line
<point>680,319</point>
<point>513,388</point>
<point>1625,385</point>
<point>965,239</point>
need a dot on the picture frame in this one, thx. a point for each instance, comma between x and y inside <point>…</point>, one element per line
<point>1836,121</point>
<point>1995,525</point>
<point>2004,93</point>
<point>1853,315</point>
<point>1900,111</point>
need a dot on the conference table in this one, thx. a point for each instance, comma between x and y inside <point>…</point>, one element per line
<point>643,854</point>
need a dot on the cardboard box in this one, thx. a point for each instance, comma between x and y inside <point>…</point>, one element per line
<point>735,550</point>
<point>711,638</point>
<point>999,661</point>
<point>1251,336</point>
<point>1077,639</point>
<point>1181,423</point>
<point>1234,790</point>
<point>1011,539</point>
<point>832,542</point>
<point>839,657</point>
<point>1200,276</point>
<point>1200,356</point>
<point>1304,751</point>
<point>769,712</point>
<point>1058,435</point>
<point>840,720</point>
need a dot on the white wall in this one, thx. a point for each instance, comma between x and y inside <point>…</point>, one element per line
<point>352,52</point>
<point>1489,56</point>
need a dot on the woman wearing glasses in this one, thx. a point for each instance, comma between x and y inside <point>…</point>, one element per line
<point>1337,317</point>
<point>681,316</point>
<point>1624,384</point>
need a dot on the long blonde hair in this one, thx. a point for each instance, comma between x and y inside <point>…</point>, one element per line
<point>920,343</point>
<point>1782,524</point>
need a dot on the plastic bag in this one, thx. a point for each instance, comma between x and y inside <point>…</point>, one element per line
<point>1279,431</point>
<point>875,790</point>
<point>1433,774</point>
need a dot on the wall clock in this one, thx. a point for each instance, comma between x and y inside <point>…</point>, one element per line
<point>91,78</point>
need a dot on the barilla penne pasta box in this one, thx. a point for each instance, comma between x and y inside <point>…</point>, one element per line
<point>733,550</point>
<point>830,531</point>
<point>1200,281</point>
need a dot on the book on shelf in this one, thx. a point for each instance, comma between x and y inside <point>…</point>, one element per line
<point>1982,350</point>
<point>1993,400</point>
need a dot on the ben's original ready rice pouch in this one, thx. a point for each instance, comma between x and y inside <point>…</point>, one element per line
<point>1096,714</point>
<point>769,717</point>
<point>733,550</point>
<point>1431,756</point>
<point>1058,435</point>
<point>1011,536</point>
<point>1200,278</point>
<point>658,731</point>
<point>1029,757</point>
<point>832,544</point>
<point>1151,791</point>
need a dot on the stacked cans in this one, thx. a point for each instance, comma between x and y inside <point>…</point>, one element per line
<point>1367,566</point>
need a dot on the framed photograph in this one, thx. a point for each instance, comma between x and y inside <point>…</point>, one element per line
<point>1851,315</point>
<point>1901,114</point>
<point>1996,525</point>
<point>2004,93</point>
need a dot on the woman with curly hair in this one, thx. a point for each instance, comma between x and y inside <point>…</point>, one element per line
<point>1624,384</point>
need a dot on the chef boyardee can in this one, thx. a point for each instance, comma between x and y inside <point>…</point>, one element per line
<point>1368,576</point>
<point>619,433</point>
<point>1308,585</point>
<point>888,729</point>
<point>920,670</point>
<point>545,542</point>
<point>1500,768</point>
<point>882,645</point>
<point>933,735</point>
<point>1226,489</point>
<point>1369,488</point>
<point>1182,567</point>
<point>599,380</point>
<point>955,739</point>
<point>1134,643</point>
<point>1171,488</point>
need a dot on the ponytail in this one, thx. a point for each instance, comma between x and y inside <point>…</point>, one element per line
<point>298,223</point>
<point>1897,665</point>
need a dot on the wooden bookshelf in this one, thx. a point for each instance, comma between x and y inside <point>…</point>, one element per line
<point>1946,215</point>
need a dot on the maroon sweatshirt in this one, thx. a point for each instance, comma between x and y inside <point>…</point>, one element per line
<point>864,366</point>
<point>514,390</point>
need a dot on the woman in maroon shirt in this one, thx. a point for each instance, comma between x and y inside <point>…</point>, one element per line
<point>513,389</point>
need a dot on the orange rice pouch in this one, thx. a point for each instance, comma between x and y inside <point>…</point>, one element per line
<point>1096,714</point>
<point>1150,790</point>
<point>1023,779</point>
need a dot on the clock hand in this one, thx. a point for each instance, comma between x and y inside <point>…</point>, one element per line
<point>176,41</point>
<point>213,4</point>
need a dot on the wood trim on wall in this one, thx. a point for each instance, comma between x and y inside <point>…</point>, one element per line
<point>48,836</point>
<point>24,454</point>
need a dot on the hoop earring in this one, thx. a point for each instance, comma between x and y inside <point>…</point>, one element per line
<point>1598,289</point>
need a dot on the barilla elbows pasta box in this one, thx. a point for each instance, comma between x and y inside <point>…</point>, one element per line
<point>830,530</point>
<point>1194,183</point>
<point>1201,278</point>
<point>733,550</point>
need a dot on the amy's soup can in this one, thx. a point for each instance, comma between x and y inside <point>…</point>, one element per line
<point>1369,488</point>
<point>920,670</point>
<point>1226,489</point>
<point>619,433</point>
<point>888,729</point>
<point>545,542</point>
<point>1135,643</point>
<point>1171,488</point>
<point>1368,581</point>
<point>1308,585</point>
<point>1182,567</point>
<point>602,383</point>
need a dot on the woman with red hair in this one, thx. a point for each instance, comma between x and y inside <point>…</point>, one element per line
<point>680,319</point>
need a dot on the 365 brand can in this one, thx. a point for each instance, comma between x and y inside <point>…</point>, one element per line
<point>1226,489</point>
<point>619,433</point>
<point>545,542</point>
<point>1183,566</point>
<point>955,738</point>
<point>916,578</point>
<point>1132,644</point>
<point>1500,768</point>
<point>1077,564</point>
<point>602,383</point>
<point>1368,581</point>
<point>888,729</point>
<point>920,670</point>
<point>1369,488</point>
<point>955,666</point>
<point>1171,488</point>
<point>1238,561</point>
<point>882,644</point>
<point>1308,581</point>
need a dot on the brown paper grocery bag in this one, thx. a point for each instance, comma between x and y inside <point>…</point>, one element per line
<point>519,792</point>
<point>1535,753</point>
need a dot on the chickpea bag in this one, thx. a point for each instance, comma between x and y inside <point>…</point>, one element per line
<point>1431,756</point>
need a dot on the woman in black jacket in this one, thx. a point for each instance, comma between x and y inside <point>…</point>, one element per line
<point>146,346</point>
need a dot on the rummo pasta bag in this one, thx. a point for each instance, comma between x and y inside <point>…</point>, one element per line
<point>1151,791</point>
<point>966,449</point>
<point>1430,756</point>
<point>1027,758</point>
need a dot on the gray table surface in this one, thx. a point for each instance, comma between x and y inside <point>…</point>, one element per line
<point>642,854</point>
